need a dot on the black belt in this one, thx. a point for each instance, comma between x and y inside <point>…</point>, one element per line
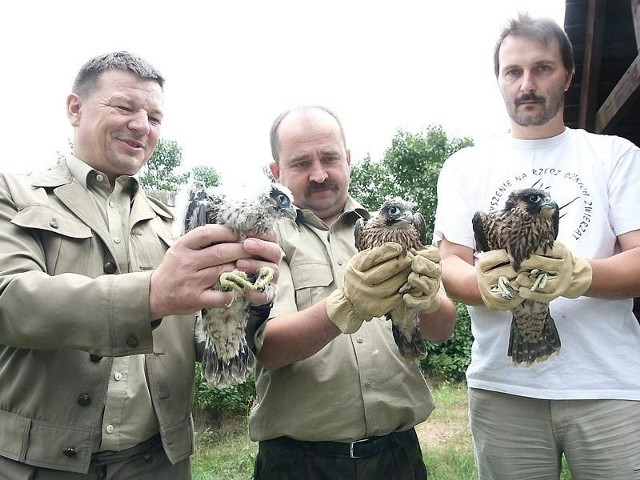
<point>366,447</point>
<point>108,457</point>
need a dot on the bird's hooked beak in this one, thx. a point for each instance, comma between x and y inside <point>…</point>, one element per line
<point>290,212</point>
<point>548,207</point>
<point>407,217</point>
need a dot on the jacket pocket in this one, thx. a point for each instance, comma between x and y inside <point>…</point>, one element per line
<point>312,283</point>
<point>65,240</point>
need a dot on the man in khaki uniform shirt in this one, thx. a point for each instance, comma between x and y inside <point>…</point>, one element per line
<point>97,301</point>
<point>334,405</point>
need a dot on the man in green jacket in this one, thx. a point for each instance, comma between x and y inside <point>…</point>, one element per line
<point>98,301</point>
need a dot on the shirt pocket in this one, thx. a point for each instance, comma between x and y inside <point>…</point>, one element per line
<point>312,282</point>
<point>66,242</point>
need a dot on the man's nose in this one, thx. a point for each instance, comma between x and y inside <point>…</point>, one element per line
<point>318,174</point>
<point>139,122</point>
<point>528,85</point>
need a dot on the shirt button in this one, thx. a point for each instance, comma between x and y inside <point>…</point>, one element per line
<point>109,268</point>
<point>100,177</point>
<point>84,400</point>
<point>132,342</point>
<point>111,204</point>
<point>116,239</point>
<point>109,429</point>
<point>117,376</point>
<point>359,340</point>
<point>367,384</point>
<point>69,452</point>
<point>53,223</point>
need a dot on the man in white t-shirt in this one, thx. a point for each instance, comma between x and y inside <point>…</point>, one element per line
<point>584,401</point>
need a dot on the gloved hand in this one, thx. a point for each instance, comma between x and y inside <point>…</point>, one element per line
<point>491,267</point>
<point>372,280</point>
<point>567,275</point>
<point>424,280</point>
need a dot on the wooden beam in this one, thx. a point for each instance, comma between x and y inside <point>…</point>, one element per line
<point>624,95</point>
<point>594,38</point>
<point>635,12</point>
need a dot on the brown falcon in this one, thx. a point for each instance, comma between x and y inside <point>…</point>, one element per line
<point>397,222</point>
<point>227,357</point>
<point>528,222</point>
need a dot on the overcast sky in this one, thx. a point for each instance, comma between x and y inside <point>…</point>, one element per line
<point>232,66</point>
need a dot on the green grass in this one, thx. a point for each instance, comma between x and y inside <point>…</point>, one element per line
<point>225,452</point>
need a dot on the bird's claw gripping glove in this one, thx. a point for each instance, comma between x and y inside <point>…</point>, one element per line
<point>424,280</point>
<point>565,275</point>
<point>496,280</point>
<point>372,280</point>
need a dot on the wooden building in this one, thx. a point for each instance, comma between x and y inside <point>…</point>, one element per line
<point>605,95</point>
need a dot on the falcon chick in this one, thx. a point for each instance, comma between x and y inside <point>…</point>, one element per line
<point>227,358</point>
<point>528,222</point>
<point>397,222</point>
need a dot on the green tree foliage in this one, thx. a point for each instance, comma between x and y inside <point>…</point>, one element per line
<point>409,168</point>
<point>159,172</point>
<point>207,175</point>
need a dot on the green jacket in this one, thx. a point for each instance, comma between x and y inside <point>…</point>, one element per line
<point>65,310</point>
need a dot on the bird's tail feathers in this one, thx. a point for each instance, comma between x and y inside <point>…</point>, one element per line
<point>527,346</point>
<point>411,349</point>
<point>236,370</point>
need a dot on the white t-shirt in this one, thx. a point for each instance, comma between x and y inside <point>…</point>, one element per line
<point>595,179</point>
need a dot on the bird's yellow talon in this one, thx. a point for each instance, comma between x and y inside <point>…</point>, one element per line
<point>265,275</point>
<point>236,280</point>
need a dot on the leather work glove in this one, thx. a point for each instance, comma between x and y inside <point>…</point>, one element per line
<point>567,275</point>
<point>372,280</point>
<point>492,267</point>
<point>424,280</point>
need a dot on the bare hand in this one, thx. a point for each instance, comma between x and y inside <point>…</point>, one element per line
<point>183,281</point>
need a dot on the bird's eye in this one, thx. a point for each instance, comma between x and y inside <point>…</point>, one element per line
<point>283,200</point>
<point>534,198</point>
<point>394,210</point>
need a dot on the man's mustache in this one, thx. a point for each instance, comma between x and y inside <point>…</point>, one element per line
<point>529,97</point>
<point>321,187</point>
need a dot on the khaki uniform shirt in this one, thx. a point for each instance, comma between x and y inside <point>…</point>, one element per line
<point>357,386</point>
<point>69,314</point>
<point>128,417</point>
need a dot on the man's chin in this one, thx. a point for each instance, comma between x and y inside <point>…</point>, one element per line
<point>322,200</point>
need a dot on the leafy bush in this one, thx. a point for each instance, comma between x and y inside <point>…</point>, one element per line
<point>219,401</point>
<point>448,361</point>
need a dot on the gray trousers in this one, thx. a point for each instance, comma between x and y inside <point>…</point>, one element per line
<point>519,438</point>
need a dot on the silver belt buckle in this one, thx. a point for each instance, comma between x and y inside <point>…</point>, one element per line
<point>352,444</point>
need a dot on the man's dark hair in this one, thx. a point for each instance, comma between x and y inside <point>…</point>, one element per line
<point>278,121</point>
<point>541,29</point>
<point>87,78</point>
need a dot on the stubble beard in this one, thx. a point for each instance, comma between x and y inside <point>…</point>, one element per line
<point>550,108</point>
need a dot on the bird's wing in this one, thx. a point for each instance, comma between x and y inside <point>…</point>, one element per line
<point>479,221</point>
<point>556,224</point>
<point>420,226</point>
<point>357,232</point>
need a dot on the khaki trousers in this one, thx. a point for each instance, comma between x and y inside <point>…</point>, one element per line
<point>519,438</point>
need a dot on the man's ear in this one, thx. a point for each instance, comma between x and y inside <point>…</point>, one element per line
<point>568,80</point>
<point>275,170</point>
<point>74,109</point>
